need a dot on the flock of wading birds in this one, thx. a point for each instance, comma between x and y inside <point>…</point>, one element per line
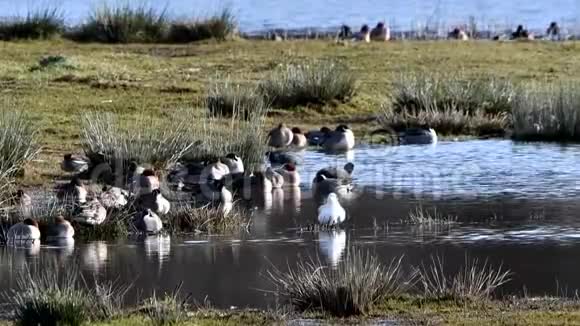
<point>381,32</point>
<point>213,182</point>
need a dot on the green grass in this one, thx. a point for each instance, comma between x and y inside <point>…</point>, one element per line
<point>156,80</point>
<point>42,23</point>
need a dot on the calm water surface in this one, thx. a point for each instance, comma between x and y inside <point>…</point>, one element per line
<point>516,205</point>
<point>401,14</point>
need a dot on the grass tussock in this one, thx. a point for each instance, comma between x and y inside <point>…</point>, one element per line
<point>421,216</point>
<point>144,140</point>
<point>168,309</point>
<point>473,281</point>
<point>18,142</point>
<point>43,23</point>
<point>187,218</point>
<point>226,99</point>
<point>129,23</point>
<point>316,83</point>
<point>218,27</point>
<point>117,225</point>
<point>446,122</point>
<point>414,93</point>
<point>61,296</point>
<point>214,137</point>
<point>122,24</point>
<point>547,112</point>
<point>358,283</point>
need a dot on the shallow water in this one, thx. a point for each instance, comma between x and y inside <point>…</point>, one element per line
<point>264,14</point>
<point>515,204</point>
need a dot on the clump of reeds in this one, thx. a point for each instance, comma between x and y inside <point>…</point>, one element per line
<point>168,309</point>
<point>474,280</point>
<point>43,23</point>
<point>123,24</point>
<point>449,121</point>
<point>421,216</point>
<point>143,140</point>
<point>547,112</point>
<point>416,92</point>
<point>61,296</point>
<point>18,141</point>
<point>315,83</point>
<point>227,99</point>
<point>359,282</point>
<point>215,137</point>
<point>118,224</point>
<point>218,27</point>
<point>185,217</point>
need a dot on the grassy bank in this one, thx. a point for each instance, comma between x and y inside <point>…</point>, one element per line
<point>158,80</point>
<point>59,295</point>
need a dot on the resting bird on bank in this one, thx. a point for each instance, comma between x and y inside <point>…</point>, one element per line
<point>418,136</point>
<point>114,197</point>
<point>26,230</point>
<point>23,203</point>
<point>234,163</point>
<point>290,175</point>
<point>74,190</point>
<point>90,213</point>
<point>148,222</point>
<point>75,164</point>
<point>317,137</point>
<point>275,178</point>
<point>342,139</point>
<point>333,179</point>
<point>61,229</point>
<point>331,213</point>
<point>280,136</point>
<point>298,138</point>
<point>155,202</point>
<point>281,157</point>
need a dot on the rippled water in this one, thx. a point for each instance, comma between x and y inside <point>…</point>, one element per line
<point>401,14</point>
<point>515,204</point>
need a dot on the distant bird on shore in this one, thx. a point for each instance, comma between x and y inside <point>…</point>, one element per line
<point>380,33</point>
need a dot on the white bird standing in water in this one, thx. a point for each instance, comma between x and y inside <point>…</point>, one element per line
<point>331,213</point>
